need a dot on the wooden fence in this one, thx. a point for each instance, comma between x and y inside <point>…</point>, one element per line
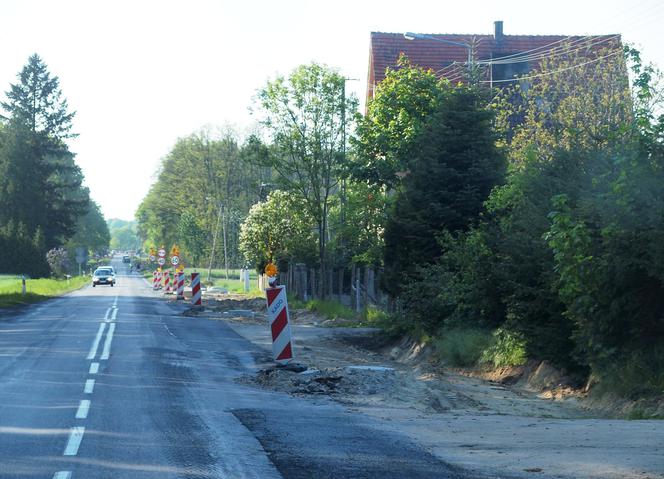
<point>356,287</point>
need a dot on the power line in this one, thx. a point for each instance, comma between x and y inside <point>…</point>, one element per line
<point>454,68</point>
<point>561,50</point>
<point>555,71</point>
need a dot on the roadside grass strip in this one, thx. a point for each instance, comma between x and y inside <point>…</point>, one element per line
<point>36,289</point>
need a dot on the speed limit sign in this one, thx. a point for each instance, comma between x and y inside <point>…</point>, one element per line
<point>161,252</point>
<point>175,260</point>
<point>161,261</point>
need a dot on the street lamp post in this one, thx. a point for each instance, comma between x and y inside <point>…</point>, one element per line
<point>413,36</point>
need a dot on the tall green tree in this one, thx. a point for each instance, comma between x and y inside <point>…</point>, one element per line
<point>384,141</point>
<point>212,179</point>
<point>92,232</point>
<point>454,165</point>
<point>303,115</point>
<point>41,185</point>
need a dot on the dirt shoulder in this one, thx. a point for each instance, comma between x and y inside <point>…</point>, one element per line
<point>480,425</point>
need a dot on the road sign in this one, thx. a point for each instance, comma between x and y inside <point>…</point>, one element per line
<point>161,261</point>
<point>81,255</point>
<point>161,252</point>
<point>152,257</point>
<point>175,260</point>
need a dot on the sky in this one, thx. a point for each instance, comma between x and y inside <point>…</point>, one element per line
<point>141,73</point>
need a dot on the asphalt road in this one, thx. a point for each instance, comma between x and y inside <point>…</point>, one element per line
<point>113,382</point>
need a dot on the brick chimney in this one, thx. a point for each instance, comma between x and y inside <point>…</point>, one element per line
<point>498,32</point>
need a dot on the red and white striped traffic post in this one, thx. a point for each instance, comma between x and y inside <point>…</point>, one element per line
<point>196,289</point>
<point>155,281</point>
<point>167,281</point>
<point>277,312</point>
<point>180,284</point>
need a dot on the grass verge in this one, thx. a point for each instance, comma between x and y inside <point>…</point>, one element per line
<point>38,290</point>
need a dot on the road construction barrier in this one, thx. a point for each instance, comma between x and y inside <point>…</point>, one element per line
<point>155,281</point>
<point>196,289</point>
<point>180,284</point>
<point>167,281</point>
<point>277,312</point>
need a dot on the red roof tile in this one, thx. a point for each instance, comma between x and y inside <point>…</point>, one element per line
<point>385,49</point>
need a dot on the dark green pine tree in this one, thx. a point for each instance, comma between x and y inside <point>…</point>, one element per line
<point>41,185</point>
<point>455,165</point>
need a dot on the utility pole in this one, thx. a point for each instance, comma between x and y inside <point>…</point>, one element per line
<point>223,227</point>
<point>214,242</point>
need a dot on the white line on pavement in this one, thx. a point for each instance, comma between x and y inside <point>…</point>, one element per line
<point>95,344</point>
<point>75,438</point>
<point>89,386</point>
<point>108,313</point>
<point>115,302</point>
<point>94,368</point>
<point>83,409</point>
<point>114,314</point>
<point>62,475</point>
<point>107,344</point>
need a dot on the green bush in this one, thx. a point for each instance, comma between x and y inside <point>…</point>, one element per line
<point>508,349</point>
<point>639,374</point>
<point>462,347</point>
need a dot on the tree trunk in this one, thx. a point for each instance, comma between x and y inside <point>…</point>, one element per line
<point>371,285</point>
<point>330,283</point>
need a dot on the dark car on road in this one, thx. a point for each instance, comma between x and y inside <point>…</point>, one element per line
<point>103,276</point>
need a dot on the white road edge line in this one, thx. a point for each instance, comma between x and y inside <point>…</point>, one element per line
<point>62,475</point>
<point>89,386</point>
<point>114,314</point>
<point>95,344</point>
<point>75,438</point>
<point>107,344</point>
<point>94,368</point>
<point>83,409</point>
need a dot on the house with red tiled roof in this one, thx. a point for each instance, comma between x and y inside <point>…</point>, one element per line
<point>501,58</point>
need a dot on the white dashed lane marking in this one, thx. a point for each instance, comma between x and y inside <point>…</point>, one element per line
<point>76,433</point>
<point>83,409</point>
<point>75,438</point>
<point>89,386</point>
